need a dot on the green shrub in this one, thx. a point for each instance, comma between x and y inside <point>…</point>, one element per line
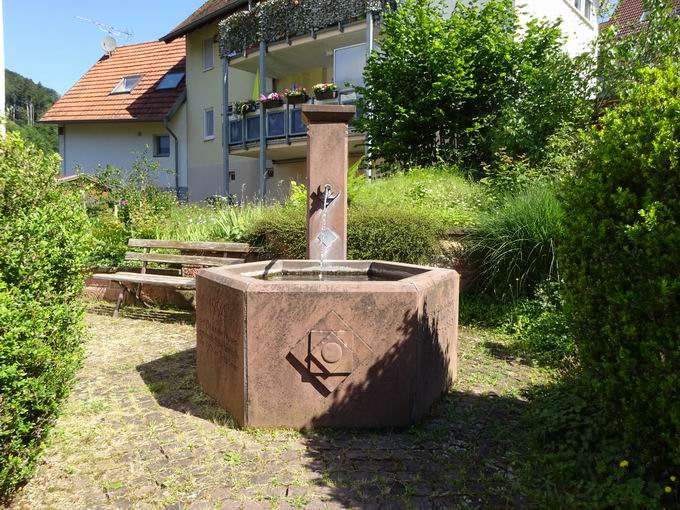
<point>43,241</point>
<point>401,235</point>
<point>577,457</point>
<point>513,246</point>
<point>621,262</point>
<point>109,240</point>
<point>409,235</point>
<point>282,232</point>
<point>459,88</point>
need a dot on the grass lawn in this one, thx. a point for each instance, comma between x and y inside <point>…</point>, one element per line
<point>138,432</point>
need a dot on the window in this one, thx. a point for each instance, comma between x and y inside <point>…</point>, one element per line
<point>161,146</point>
<point>126,84</point>
<point>208,124</point>
<point>589,9</point>
<point>208,55</point>
<point>170,80</point>
<point>577,4</point>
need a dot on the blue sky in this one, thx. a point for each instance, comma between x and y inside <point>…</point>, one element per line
<point>45,42</point>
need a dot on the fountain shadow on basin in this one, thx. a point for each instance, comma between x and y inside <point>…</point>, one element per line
<point>289,351</point>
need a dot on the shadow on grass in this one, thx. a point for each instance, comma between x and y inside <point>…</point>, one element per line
<point>168,316</point>
<point>172,381</point>
<point>505,352</point>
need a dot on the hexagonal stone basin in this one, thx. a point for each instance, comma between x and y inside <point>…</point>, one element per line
<point>371,344</point>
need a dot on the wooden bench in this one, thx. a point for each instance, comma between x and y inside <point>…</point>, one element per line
<point>220,254</point>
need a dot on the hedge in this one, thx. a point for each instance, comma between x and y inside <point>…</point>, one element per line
<point>43,244</point>
<point>409,235</point>
<point>622,264</point>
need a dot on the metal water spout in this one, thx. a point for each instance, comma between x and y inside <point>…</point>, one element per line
<point>327,163</point>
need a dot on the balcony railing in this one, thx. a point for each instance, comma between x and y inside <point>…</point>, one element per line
<point>279,20</point>
<point>283,124</point>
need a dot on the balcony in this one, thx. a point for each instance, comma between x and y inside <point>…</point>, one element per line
<point>283,20</point>
<point>285,131</point>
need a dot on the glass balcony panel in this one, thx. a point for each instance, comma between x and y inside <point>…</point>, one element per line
<point>275,124</point>
<point>297,127</point>
<point>252,128</point>
<point>235,131</point>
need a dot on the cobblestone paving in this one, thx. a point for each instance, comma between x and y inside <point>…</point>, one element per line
<point>138,433</point>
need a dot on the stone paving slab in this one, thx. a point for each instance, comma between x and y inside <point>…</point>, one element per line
<point>137,432</point>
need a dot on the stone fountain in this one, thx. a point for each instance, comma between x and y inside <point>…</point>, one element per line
<point>326,342</point>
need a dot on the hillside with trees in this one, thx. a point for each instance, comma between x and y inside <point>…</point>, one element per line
<point>26,101</point>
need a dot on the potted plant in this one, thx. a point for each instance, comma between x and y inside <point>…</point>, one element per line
<point>271,100</point>
<point>325,91</point>
<point>296,95</point>
<point>240,108</point>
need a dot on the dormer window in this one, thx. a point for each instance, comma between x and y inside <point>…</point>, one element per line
<point>126,84</point>
<point>170,80</point>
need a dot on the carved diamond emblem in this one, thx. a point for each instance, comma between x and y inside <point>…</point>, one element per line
<point>327,237</point>
<point>331,351</point>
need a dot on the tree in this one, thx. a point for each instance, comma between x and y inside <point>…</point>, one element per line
<point>446,89</point>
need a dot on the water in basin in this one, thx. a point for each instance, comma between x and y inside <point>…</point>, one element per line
<point>328,276</point>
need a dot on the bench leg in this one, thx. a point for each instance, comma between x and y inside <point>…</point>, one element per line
<point>120,300</point>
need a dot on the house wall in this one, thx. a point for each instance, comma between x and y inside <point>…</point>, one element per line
<point>579,30</point>
<point>204,90</point>
<point>178,125</point>
<point>93,145</point>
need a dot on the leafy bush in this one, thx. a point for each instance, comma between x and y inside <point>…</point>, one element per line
<point>43,242</point>
<point>622,264</point>
<point>401,235</point>
<point>124,203</point>
<point>513,246</point>
<point>578,458</point>
<point>109,240</point>
<point>396,234</point>
<point>481,82</point>
<point>282,232</point>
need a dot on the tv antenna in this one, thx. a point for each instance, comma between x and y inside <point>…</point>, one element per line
<point>112,31</point>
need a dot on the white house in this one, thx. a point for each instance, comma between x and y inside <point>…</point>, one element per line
<point>129,101</point>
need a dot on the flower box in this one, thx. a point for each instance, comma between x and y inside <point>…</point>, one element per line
<point>297,99</point>
<point>271,103</point>
<point>328,94</point>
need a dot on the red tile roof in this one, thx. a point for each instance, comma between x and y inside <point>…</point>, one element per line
<point>628,13</point>
<point>90,99</point>
<point>206,13</point>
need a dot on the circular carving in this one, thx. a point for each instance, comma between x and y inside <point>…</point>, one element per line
<point>331,352</point>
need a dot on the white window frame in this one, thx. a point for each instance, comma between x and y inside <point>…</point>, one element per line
<point>156,153</point>
<point>208,50</point>
<point>120,86</point>
<point>206,136</point>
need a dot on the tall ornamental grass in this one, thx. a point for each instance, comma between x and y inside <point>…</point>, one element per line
<point>513,246</point>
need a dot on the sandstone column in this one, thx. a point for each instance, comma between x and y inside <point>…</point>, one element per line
<point>327,164</point>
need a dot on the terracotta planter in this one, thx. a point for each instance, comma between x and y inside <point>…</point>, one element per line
<point>272,103</point>
<point>329,94</point>
<point>297,99</point>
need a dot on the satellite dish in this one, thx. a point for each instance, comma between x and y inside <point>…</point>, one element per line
<point>109,44</point>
